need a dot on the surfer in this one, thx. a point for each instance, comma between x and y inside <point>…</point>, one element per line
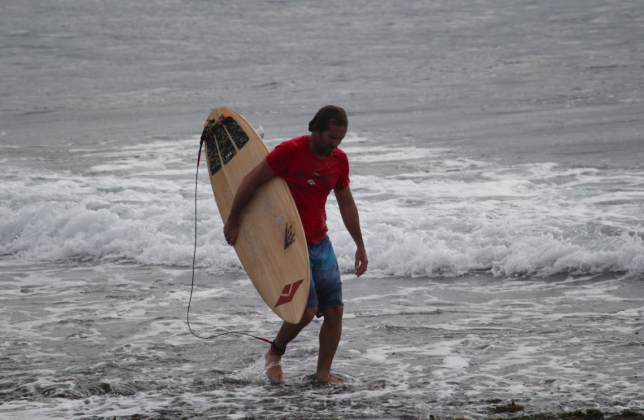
<point>312,166</point>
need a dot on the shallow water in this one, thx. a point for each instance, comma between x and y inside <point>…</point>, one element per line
<point>111,340</point>
<point>496,159</point>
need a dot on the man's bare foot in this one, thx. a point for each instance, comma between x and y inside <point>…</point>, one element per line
<point>274,367</point>
<point>330,379</point>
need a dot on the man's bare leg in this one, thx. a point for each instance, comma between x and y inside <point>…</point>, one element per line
<point>330,334</point>
<point>285,335</point>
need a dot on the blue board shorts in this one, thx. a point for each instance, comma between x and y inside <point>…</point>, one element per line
<point>326,287</point>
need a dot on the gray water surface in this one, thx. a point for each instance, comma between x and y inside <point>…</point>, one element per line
<point>496,150</point>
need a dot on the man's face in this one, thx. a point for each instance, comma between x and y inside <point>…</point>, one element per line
<point>326,142</point>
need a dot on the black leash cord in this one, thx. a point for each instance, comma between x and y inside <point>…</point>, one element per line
<point>194,257</point>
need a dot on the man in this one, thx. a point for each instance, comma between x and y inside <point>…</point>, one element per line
<point>312,166</point>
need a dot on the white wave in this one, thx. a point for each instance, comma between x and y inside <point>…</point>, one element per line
<point>453,216</point>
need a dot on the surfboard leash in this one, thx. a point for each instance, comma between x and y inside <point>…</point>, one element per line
<point>194,257</point>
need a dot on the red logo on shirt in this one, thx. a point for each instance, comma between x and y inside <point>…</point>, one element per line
<point>288,293</point>
<point>326,180</point>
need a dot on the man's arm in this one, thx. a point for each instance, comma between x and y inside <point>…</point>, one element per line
<point>261,174</point>
<point>349,212</point>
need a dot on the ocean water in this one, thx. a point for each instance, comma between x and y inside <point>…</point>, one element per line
<point>496,154</point>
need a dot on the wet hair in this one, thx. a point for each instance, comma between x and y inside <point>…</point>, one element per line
<point>326,116</point>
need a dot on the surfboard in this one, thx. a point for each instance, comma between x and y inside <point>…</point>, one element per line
<point>271,244</point>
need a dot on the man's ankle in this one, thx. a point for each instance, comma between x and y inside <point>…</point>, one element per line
<point>278,351</point>
<point>271,353</point>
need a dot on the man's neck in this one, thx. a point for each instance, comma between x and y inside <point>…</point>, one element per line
<point>311,141</point>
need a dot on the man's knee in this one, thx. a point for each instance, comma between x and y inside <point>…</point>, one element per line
<point>334,313</point>
<point>309,314</point>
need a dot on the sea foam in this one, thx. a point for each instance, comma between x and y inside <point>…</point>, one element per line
<point>448,216</point>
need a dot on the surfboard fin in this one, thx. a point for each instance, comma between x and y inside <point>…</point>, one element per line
<point>260,131</point>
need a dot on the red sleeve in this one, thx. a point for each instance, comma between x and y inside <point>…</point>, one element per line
<point>279,158</point>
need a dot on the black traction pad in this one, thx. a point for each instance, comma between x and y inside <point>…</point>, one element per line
<point>214,163</point>
<point>220,148</point>
<point>237,133</point>
<point>217,138</point>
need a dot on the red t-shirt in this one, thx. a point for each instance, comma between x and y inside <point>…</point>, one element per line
<point>310,180</point>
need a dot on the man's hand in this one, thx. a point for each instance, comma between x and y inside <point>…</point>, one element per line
<point>231,230</point>
<point>361,261</point>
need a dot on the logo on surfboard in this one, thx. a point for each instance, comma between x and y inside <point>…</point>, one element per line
<point>289,236</point>
<point>288,293</point>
